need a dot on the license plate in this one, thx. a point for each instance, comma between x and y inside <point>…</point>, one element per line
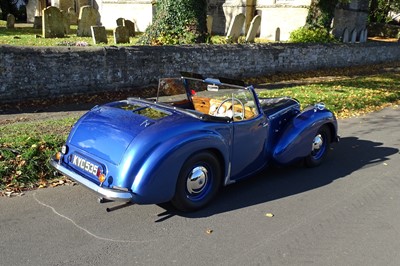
<point>84,164</point>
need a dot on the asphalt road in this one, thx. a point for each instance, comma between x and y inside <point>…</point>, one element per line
<point>345,212</point>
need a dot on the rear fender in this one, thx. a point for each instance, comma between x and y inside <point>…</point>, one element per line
<point>296,140</point>
<point>155,181</point>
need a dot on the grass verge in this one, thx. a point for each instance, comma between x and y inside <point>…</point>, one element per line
<point>25,147</point>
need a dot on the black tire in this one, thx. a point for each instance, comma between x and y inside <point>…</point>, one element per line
<point>198,182</point>
<point>320,147</point>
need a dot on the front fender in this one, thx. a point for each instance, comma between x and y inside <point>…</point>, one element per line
<point>155,181</point>
<point>296,140</point>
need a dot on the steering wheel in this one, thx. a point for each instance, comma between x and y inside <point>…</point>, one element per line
<point>234,114</point>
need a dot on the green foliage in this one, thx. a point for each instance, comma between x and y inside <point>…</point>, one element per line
<point>379,10</point>
<point>311,35</point>
<point>25,149</point>
<point>321,12</point>
<point>177,22</point>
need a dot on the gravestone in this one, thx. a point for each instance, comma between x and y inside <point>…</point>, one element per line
<point>121,35</point>
<point>254,26</point>
<point>364,36</point>
<point>120,21</point>
<point>278,34</point>
<point>73,18</point>
<point>99,34</point>
<point>52,23</point>
<point>345,37</point>
<point>10,21</point>
<point>354,36</point>
<point>88,16</point>
<point>130,26</point>
<point>66,22</point>
<point>209,24</point>
<point>37,22</point>
<point>63,5</point>
<point>236,28</point>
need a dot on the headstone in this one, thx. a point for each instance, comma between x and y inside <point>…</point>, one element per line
<point>120,21</point>
<point>354,36</point>
<point>73,18</point>
<point>209,24</point>
<point>278,34</point>
<point>130,26</point>
<point>236,28</point>
<point>121,35</point>
<point>63,5</point>
<point>66,22</point>
<point>99,34</point>
<point>364,36</point>
<point>52,23</point>
<point>345,37</point>
<point>37,22</point>
<point>88,16</point>
<point>10,21</point>
<point>254,26</point>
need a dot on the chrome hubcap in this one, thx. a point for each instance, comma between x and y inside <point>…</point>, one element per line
<point>317,142</point>
<point>197,180</point>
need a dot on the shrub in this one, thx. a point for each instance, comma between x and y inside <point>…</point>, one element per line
<point>177,22</point>
<point>311,35</point>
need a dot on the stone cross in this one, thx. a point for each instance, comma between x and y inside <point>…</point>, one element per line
<point>88,16</point>
<point>236,28</point>
<point>52,23</point>
<point>254,27</point>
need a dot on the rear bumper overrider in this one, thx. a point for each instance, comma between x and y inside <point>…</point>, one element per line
<point>108,193</point>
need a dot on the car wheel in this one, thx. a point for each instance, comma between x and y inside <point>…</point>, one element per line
<point>198,182</point>
<point>320,147</point>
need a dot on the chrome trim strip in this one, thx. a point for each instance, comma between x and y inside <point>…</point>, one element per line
<point>107,193</point>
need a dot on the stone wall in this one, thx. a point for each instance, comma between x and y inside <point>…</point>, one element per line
<point>38,72</point>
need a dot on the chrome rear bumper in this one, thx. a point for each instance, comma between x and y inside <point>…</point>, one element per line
<point>108,193</point>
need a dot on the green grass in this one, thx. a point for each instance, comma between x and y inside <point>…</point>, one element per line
<point>28,36</point>
<point>348,97</point>
<point>25,147</point>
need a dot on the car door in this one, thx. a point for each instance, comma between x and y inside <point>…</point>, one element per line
<point>250,132</point>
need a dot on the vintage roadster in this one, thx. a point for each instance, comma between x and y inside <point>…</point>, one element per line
<point>197,135</point>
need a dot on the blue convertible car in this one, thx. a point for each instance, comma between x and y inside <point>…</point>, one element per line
<point>197,135</point>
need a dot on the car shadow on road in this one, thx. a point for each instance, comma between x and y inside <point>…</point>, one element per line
<point>350,155</point>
